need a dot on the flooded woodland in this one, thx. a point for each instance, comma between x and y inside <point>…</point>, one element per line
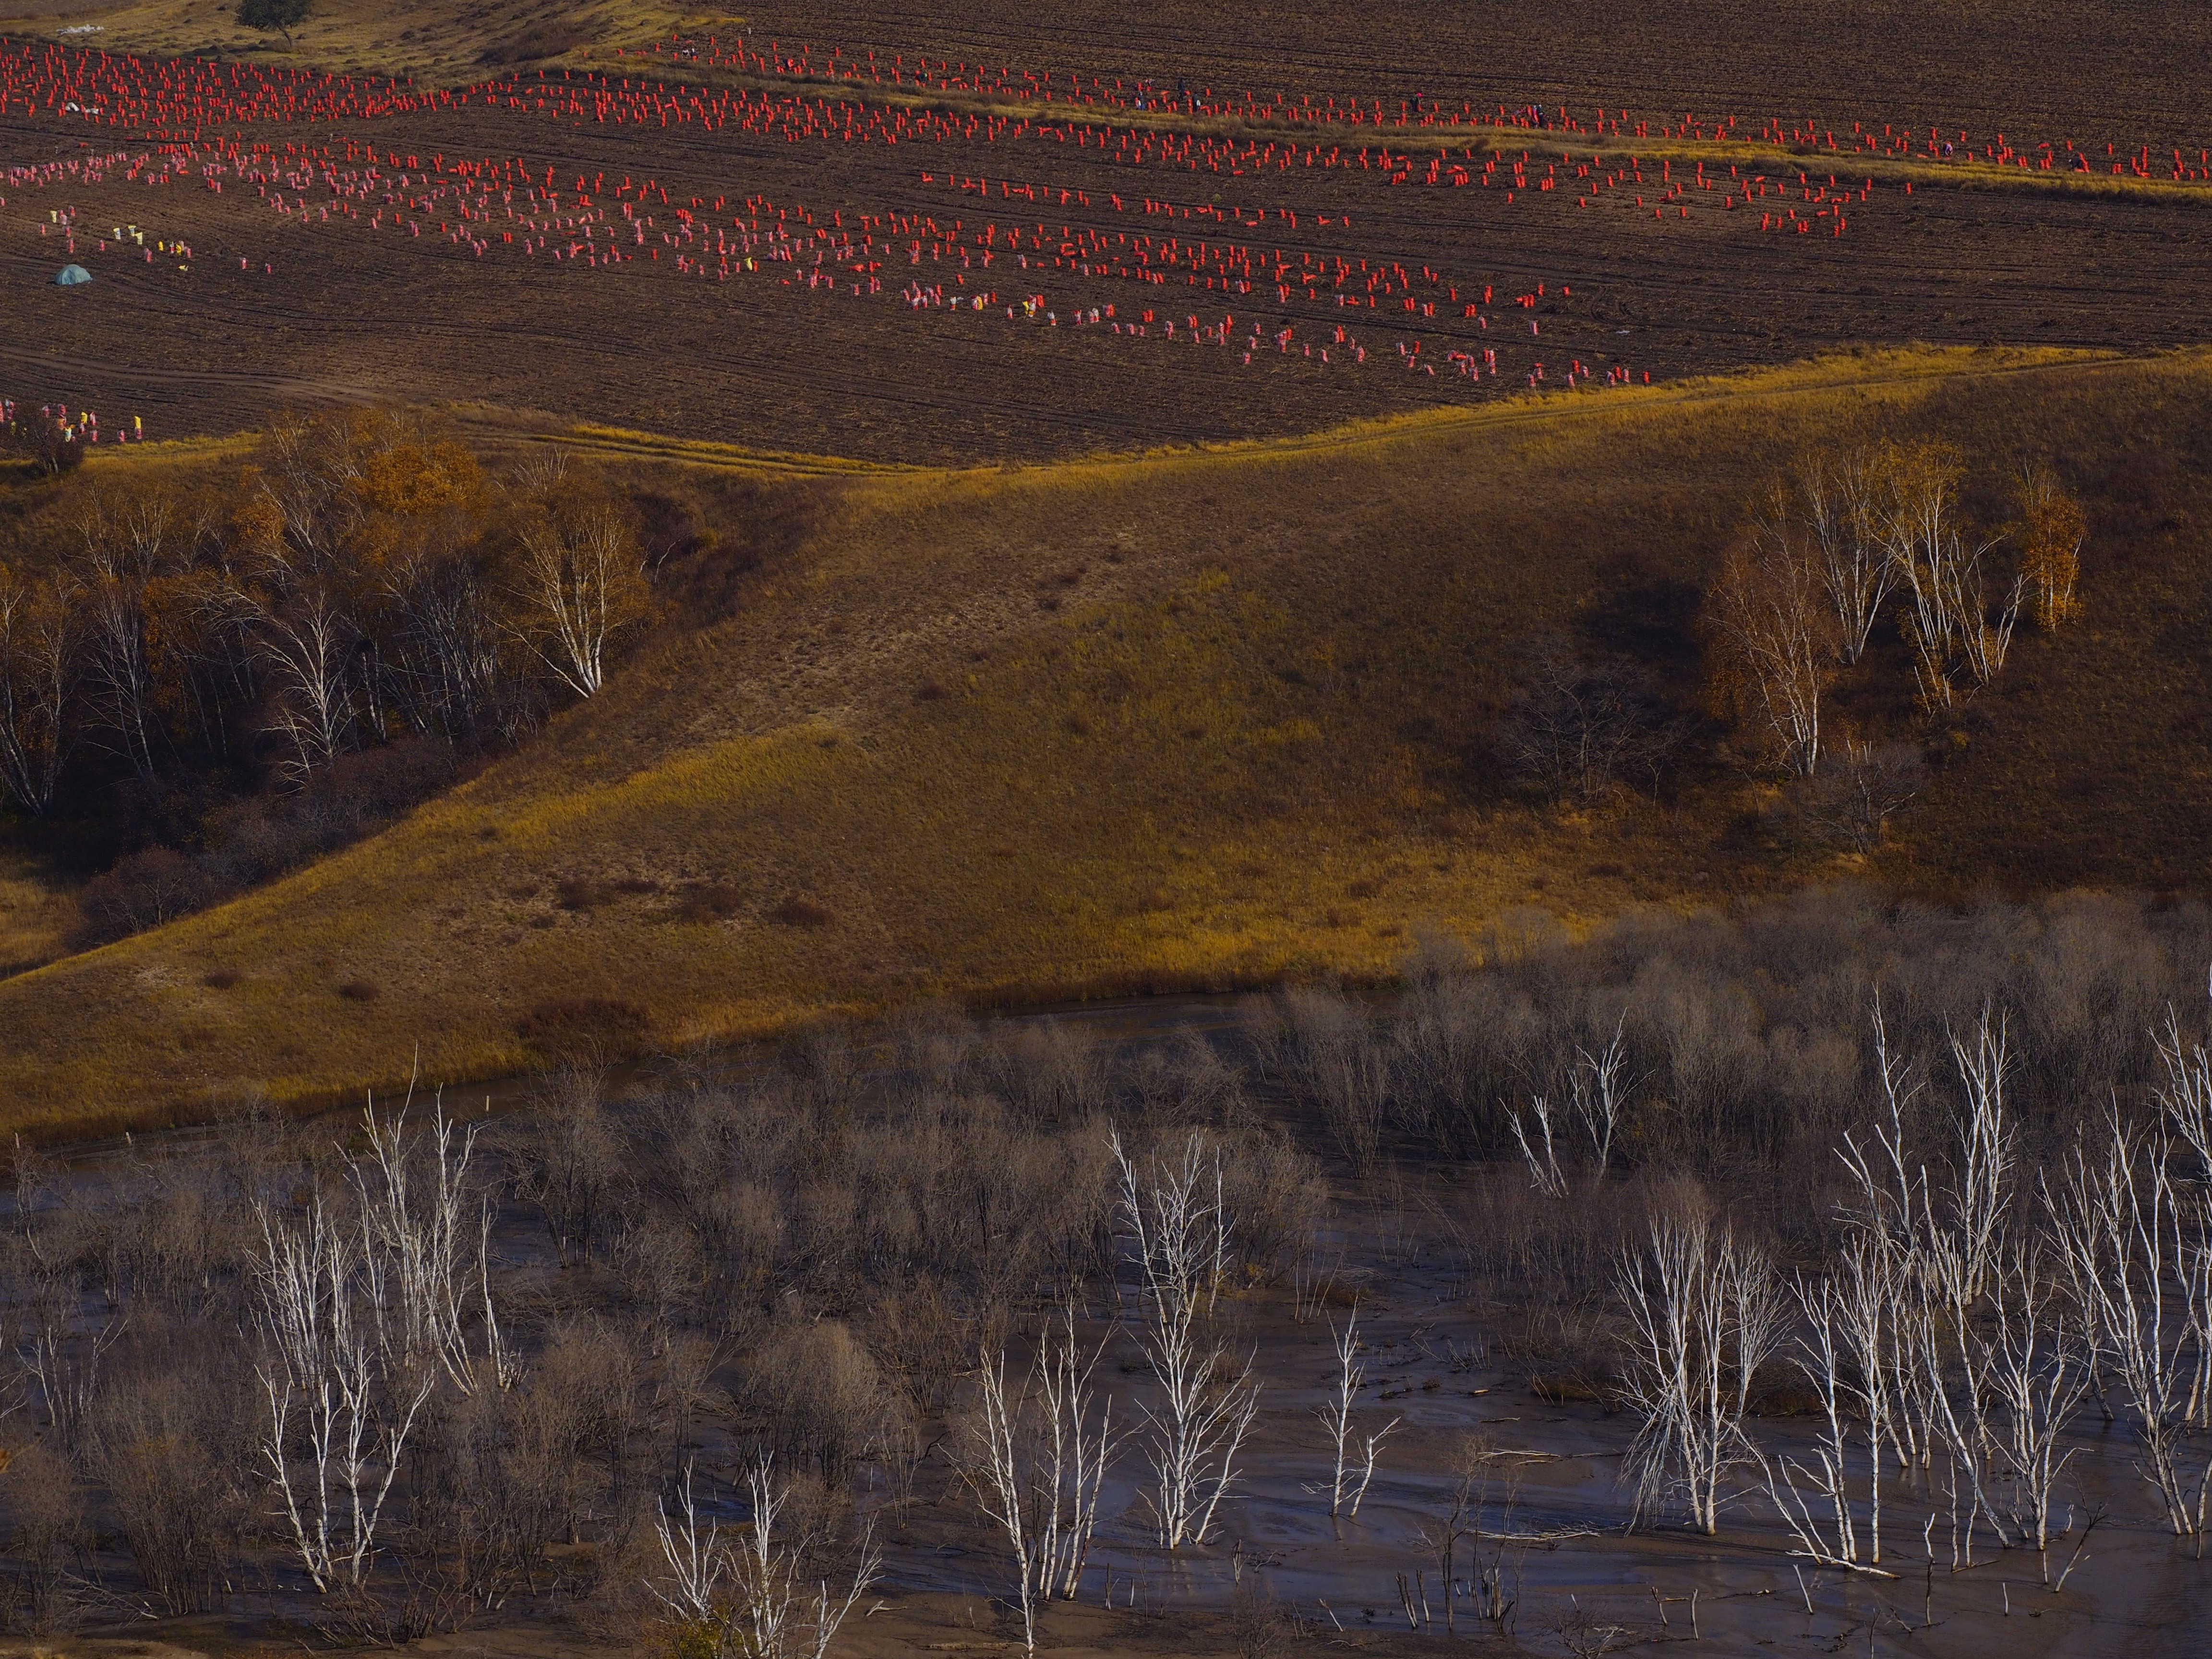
<point>1830,1276</point>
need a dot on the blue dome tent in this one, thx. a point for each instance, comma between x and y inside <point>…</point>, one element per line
<point>71,276</point>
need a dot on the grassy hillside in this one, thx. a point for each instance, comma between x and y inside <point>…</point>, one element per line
<point>433,44</point>
<point>1186,720</point>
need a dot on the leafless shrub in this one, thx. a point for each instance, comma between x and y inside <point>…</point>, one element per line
<point>1262,1626</point>
<point>143,890</point>
<point>821,1399</point>
<point>709,901</point>
<point>333,1394</point>
<point>1278,1195</point>
<point>935,1045</point>
<point>1461,1043</point>
<point>658,1266</point>
<point>1325,1048</point>
<point>1585,1634</point>
<point>1863,786</point>
<point>1049,1072</point>
<point>47,1538</point>
<point>918,1334</point>
<point>1184,1084</point>
<point>1848,1350</point>
<point>1478,1512</point>
<point>178,1239</point>
<point>170,1438</point>
<point>564,1160</point>
<point>495,1479</point>
<point>585,1032</point>
<point>1576,727</point>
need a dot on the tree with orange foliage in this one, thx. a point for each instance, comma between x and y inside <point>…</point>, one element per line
<point>365,530</point>
<point>2053,528</point>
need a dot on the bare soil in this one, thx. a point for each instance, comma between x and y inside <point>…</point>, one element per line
<point>288,305</point>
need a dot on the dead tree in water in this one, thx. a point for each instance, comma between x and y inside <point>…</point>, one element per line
<point>1704,1315</point>
<point>755,1597</point>
<point>1036,1458</point>
<point>1347,1484</point>
<point>1174,1217</point>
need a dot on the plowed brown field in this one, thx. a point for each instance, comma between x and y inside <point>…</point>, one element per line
<point>1222,219</point>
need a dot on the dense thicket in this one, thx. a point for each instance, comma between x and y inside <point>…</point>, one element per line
<point>807,1254</point>
<point>247,668</point>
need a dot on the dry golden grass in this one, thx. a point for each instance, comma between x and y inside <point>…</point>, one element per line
<point>1195,719</point>
<point>437,45</point>
<point>37,911</point>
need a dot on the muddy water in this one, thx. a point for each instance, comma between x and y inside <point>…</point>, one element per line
<point>1559,1546</point>
<point>1562,1545</point>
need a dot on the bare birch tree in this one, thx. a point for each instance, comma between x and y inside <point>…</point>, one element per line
<point>2141,1258</point>
<point>1599,1089</point>
<point>2052,530</point>
<point>1841,1351</point>
<point>117,673</point>
<point>332,1392</point>
<point>1173,1214</point>
<point>1703,1315</point>
<point>425,1238</point>
<point>1932,1240</point>
<point>308,644</point>
<point>124,539</point>
<point>1354,1469</point>
<point>1839,497</point>
<point>2039,1376</point>
<point>755,1595</point>
<point>360,1317</point>
<point>1943,577</point>
<point>578,582</point>
<point>39,635</point>
<point>1036,1457</point>
<point>449,658</point>
<point>2184,1091</point>
<point>1778,633</point>
<point>1544,1172</point>
<point>1600,1085</point>
<point>1929,1332</point>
